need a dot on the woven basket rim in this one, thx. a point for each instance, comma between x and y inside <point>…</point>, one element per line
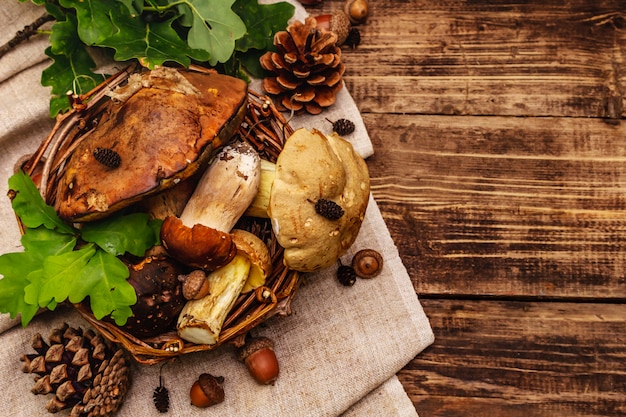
<point>265,128</point>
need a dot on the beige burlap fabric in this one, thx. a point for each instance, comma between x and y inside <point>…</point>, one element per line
<point>339,350</point>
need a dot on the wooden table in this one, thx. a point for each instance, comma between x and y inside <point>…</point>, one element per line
<point>500,170</point>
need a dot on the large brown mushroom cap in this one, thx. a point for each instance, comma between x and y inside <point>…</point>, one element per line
<point>313,166</point>
<point>164,125</point>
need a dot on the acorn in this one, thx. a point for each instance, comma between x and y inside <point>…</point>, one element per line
<point>195,284</point>
<point>207,390</point>
<point>357,11</point>
<point>338,23</point>
<point>367,263</point>
<point>259,357</point>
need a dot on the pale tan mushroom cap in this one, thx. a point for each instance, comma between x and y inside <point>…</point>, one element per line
<point>313,166</point>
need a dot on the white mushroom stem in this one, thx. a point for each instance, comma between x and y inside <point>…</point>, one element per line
<point>258,207</point>
<point>201,320</point>
<point>226,189</point>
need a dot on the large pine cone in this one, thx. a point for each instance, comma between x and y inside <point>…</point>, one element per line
<point>307,71</point>
<point>81,370</point>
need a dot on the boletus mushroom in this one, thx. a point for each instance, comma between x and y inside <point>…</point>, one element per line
<point>316,196</point>
<point>201,320</point>
<point>200,237</point>
<point>159,296</point>
<point>156,131</point>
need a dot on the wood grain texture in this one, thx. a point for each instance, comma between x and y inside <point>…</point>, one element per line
<point>521,359</point>
<point>531,58</point>
<point>500,170</point>
<point>504,206</point>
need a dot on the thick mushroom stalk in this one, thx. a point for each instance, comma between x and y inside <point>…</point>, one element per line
<point>316,196</point>
<point>201,320</point>
<point>200,236</point>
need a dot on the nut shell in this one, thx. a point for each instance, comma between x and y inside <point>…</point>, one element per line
<point>207,390</point>
<point>367,263</point>
<point>357,10</point>
<point>260,359</point>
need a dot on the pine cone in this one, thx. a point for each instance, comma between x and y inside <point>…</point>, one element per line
<point>81,370</point>
<point>307,71</point>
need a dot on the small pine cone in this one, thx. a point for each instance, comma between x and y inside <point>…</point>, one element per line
<point>343,127</point>
<point>353,39</point>
<point>306,71</point>
<point>107,157</point>
<point>161,398</point>
<point>346,275</point>
<point>80,370</point>
<point>328,209</point>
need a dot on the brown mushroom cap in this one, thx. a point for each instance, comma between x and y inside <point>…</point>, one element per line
<point>257,252</point>
<point>198,246</point>
<point>310,167</point>
<point>165,125</point>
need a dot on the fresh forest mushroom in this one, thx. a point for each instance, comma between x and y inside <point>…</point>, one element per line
<point>258,253</point>
<point>314,173</point>
<point>157,130</point>
<point>200,237</point>
<point>200,321</point>
<point>159,296</point>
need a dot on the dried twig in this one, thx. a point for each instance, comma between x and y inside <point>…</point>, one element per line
<point>25,34</point>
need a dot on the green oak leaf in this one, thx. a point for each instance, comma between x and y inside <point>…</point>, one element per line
<point>262,22</point>
<point>151,43</point>
<point>135,7</point>
<point>132,233</point>
<point>17,268</point>
<point>30,207</point>
<point>250,61</point>
<point>69,73</point>
<point>59,275</point>
<point>62,38</point>
<point>42,242</point>
<point>14,267</point>
<point>213,27</point>
<point>94,23</point>
<point>104,281</point>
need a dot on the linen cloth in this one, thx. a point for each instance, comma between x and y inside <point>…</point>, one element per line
<point>340,349</point>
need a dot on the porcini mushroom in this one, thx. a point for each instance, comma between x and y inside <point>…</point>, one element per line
<point>313,167</point>
<point>201,320</point>
<point>200,236</point>
<point>161,128</point>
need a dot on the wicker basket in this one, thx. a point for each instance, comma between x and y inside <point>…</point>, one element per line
<point>265,128</point>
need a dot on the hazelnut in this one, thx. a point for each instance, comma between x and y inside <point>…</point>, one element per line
<point>195,285</point>
<point>357,10</point>
<point>260,359</point>
<point>338,23</point>
<point>367,263</point>
<point>208,390</point>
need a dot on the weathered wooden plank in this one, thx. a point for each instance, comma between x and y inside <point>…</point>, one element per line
<point>504,206</point>
<point>521,359</point>
<point>530,58</point>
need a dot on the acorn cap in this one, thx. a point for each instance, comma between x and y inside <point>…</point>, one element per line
<point>164,125</point>
<point>253,345</point>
